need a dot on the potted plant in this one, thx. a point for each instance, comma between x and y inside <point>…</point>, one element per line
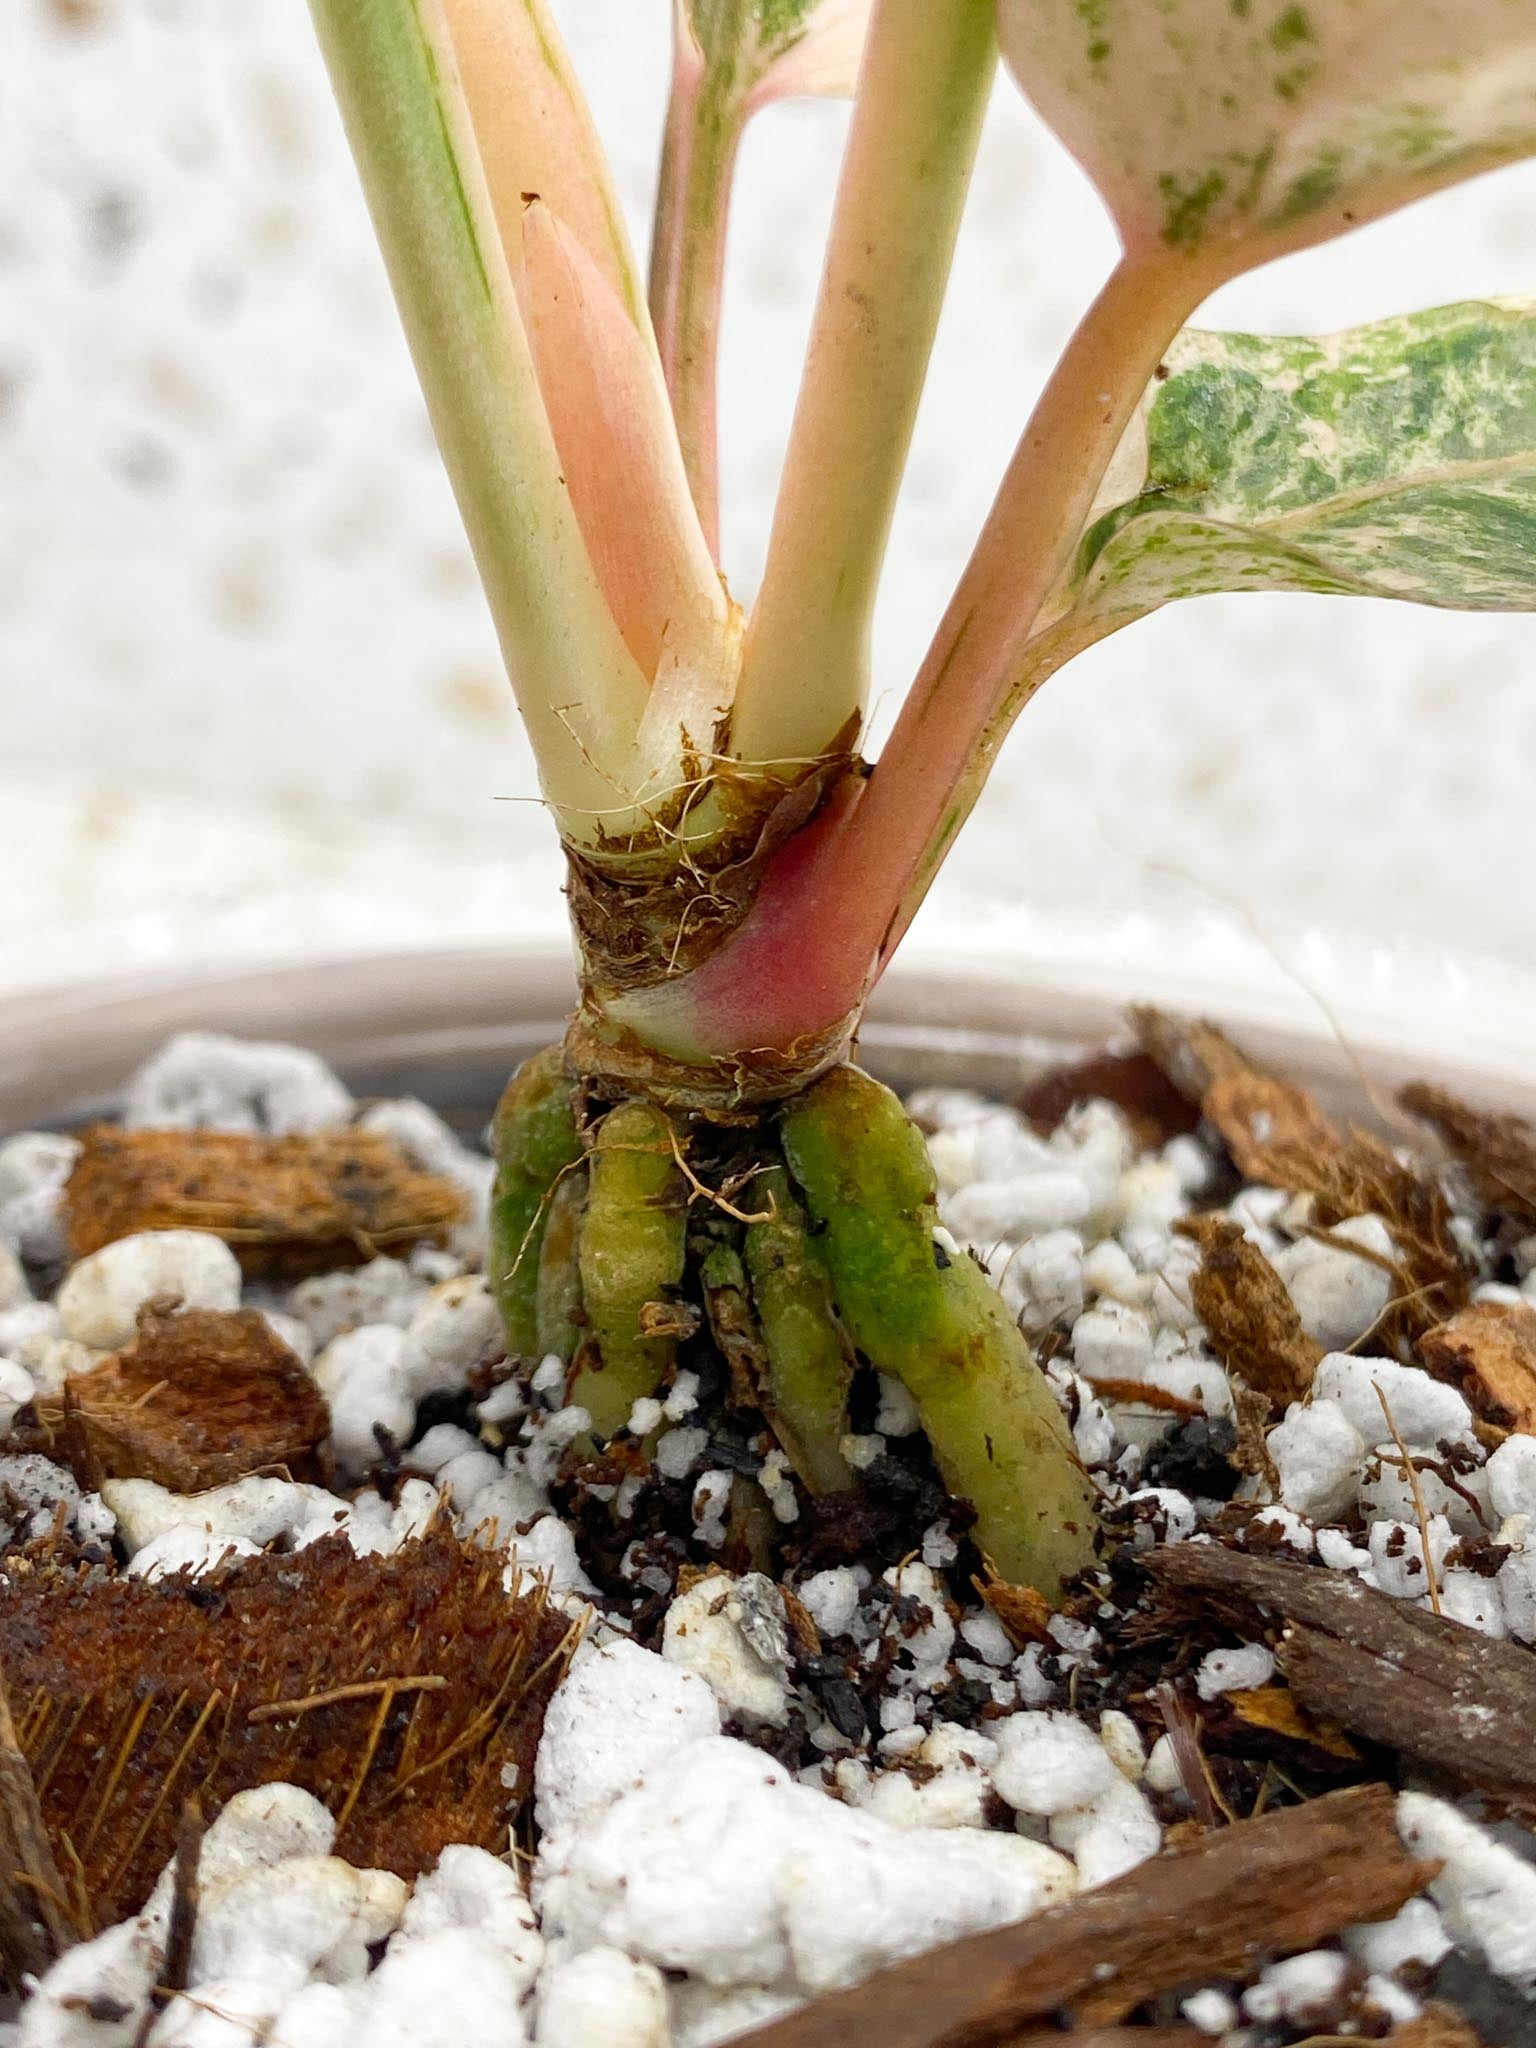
<point>738,874</point>
<point>700,1151</point>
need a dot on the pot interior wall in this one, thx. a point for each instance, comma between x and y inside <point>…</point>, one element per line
<point>449,1027</point>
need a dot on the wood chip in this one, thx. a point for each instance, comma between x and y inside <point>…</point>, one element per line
<point>1436,2027</point>
<point>1498,1151</point>
<point>1274,1130</point>
<point>129,1696</point>
<point>1383,1669</point>
<point>202,1397</point>
<point>1221,1907</point>
<point>1488,1350</point>
<point>1113,2037</point>
<point>1249,1317</point>
<point>300,1204</point>
<point>1278,1135</point>
<point>35,1923</point>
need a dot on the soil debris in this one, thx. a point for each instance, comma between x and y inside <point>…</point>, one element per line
<point>1417,1683</point>
<point>1025,1614</point>
<point>1252,1322</point>
<point>132,1696</point>
<point>1275,1710</point>
<point>1488,1351</point>
<point>304,1203</point>
<point>1218,1906</point>
<point>1498,1150</point>
<point>202,1397</point>
<point>1278,1136</point>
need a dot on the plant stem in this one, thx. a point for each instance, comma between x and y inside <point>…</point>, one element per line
<point>837,897</point>
<point>944,741</point>
<point>582,697</point>
<point>923,88</point>
<point>705,116</point>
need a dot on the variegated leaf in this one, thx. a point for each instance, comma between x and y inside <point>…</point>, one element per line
<point>1244,127</point>
<point>772,49</point>
<point>1395,460</point>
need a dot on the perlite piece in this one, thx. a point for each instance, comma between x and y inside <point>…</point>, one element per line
<point>934,1322</point>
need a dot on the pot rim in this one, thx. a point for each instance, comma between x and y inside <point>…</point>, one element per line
<point>66,1050</point>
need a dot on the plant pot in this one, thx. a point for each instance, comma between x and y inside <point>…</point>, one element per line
<point>449,1027</point>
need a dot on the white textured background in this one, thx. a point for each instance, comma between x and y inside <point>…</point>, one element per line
<point>249,700</point>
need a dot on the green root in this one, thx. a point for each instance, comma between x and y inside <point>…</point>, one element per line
<point>631,1258</point>
<point>827,1251</point>
<point>933,1321</point>
<point>809,1367</point>
<point>557,1301</point>
<point>537,1144</point>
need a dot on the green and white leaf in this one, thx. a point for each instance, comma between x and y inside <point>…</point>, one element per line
<point>770,49</point>
<point>581,695</point>
<point>1213,125</point>
<point>1396,460</point>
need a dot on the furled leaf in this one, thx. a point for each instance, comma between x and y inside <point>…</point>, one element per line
<point>536,134</point>
<point>1396,460</point>
<point>777,48</point>
<point>607,403</point>
<point>1244,127</point>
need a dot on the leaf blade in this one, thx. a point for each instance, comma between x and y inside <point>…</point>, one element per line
<point>1395,460</point>
<point>1262,125</point>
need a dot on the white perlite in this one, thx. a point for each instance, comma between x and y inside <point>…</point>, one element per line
<point>34,1166</point>
<point>1485,1892</point>
<point>455,1329</point>
<point>618,1711</point>
<point>1240,1670</point>
<point>721,1865</point>
<point>362,1376</point>
<point>1338,1295</point>
<point>207,1080</point>
<point>1317,1452</point>
<point>603,1998</point>
<point>1426,1411</point>
<point>17,1388</point>
<point>731,1633</point>
<point>102,1295</point>
<point>1049,1762</point>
